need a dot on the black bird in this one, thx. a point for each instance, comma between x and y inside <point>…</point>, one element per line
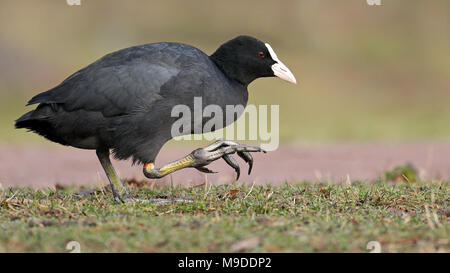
<point>123,102</point>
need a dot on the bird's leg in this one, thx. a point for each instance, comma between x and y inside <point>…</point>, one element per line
<point>118,189</point>
<point>201,157</point>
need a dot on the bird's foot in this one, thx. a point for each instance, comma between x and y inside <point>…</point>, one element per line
<point>202,157</point>
<point>224,149</point>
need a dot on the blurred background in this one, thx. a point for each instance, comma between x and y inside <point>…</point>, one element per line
<point>365,73</point>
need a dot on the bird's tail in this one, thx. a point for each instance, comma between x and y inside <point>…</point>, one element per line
<point>40,122</point>
<point>25,121</point>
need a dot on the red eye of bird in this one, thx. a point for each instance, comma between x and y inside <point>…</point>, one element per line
<point>261,54</point>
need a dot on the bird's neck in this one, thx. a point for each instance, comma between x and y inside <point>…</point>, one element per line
<point>231,69</point>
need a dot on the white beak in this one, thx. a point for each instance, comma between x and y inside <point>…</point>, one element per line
<point>279,69</point>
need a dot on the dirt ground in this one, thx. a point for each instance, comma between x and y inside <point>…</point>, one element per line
<point>43,166</point>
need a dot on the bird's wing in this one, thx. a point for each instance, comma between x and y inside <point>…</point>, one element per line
<point>119,83</point>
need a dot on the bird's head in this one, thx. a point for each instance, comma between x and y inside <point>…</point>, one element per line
<point>245,59</point>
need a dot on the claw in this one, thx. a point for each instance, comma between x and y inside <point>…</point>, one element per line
<point>233,163</point>
<point>248,158</point>
<point>223,149</point>
<point>205,170</point>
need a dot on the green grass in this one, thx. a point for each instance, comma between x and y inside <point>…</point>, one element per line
<point>301,217</point>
